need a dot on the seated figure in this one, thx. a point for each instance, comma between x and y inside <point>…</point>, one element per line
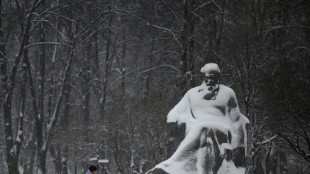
<point>215,138</point>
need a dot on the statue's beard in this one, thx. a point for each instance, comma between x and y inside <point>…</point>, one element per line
<point>212,83</point>
<point>212,92</point>
<point>210,88</point>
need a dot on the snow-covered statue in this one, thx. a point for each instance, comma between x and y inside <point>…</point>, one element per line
<point>215,138</point>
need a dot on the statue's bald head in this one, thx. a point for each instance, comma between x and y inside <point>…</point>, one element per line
<point>210,68</point>
<point>212,73</point>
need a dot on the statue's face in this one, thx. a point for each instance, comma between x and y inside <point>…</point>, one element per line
<point>211,79</point>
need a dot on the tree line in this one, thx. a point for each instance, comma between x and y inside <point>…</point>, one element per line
<point>96,78</point>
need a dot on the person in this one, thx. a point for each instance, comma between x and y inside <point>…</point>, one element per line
<point>92,170</point>
<point>215,129</point>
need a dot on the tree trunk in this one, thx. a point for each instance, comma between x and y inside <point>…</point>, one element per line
<point>148,79</point>
<point>65,124</point>
<point>108,61</point>
<point>86,76</point>
<point>30,164</point>
<point>43,151</point>
<point>8,86</point>
<point>122,63</point>
<point>283,162</point>
<point>64,165</point>
<point>187,57</point>
<point>271,161</point>
<point>56,155</point>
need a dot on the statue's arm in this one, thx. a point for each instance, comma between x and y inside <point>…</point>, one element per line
<point>177,119</point>
<point>239,139</point>
<point>181,111</point>
<point>233,108</point>
<point>234,112</point>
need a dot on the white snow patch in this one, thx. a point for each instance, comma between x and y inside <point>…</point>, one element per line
<point>20,133</point>
<point>224,146</point>
<point>93,159</point>
<point>12,151</point>
<point>103,161</point>
<point>39,171</point>
<point>19,136</point>
<point>21,115</point>
<point>18,139</point>
<point>44,146</point>
<point>228,167</point>
<point>20,169</point>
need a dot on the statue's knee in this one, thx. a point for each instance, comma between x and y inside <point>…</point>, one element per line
<point>228,154</point>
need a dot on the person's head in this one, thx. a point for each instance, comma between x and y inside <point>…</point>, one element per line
<point>212,74</point>
<point>93,169</point>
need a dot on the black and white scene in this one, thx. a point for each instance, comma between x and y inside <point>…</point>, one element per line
<point>155,87</point>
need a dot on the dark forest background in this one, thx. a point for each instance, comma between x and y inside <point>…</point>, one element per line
<point>87,78</point>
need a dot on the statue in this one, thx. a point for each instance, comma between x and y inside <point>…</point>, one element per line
<point>215,138</point>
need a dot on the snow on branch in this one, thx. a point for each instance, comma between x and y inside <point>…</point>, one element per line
<point>284,27</point>
<point>298,48</point>
<point>150,69</point>
<point>160,66</point>
<point>47,43</point>
<point>269,139</point>
<point>167,30</point>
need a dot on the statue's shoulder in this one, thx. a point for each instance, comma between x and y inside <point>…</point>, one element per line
<point>227,90</point>
<point>194,91</point>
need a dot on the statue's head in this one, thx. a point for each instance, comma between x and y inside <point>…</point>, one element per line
<point>212,74</point>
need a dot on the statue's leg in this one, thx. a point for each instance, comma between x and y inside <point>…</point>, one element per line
<point>177,134</point>
<point>205,153</point>
<point>239,152</point>
<point>219,138</point>
<point>239,157</point>
<point>218,159</point>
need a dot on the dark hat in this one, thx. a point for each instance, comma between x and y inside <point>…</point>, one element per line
<point>92,168</point>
